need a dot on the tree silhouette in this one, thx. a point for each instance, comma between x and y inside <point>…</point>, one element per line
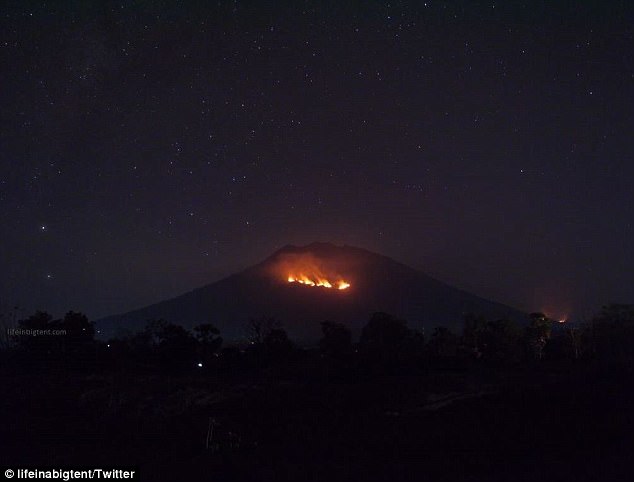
<point>336,343</point>
<point>78,334</point>
<point>276,344</point>
<point>474,335</point>
<point>8,321</point>
<point>613,330</point>
<point>443,343</point>
<point>35,339</point>
<point>384,340</point>
<point>538,333</point>
<point>502,341</point>
<point>258,328</point>
<point>209,341</point>
<point>175,346</point>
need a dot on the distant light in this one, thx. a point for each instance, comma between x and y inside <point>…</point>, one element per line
<point>108,345</point>
<point>200,365</point>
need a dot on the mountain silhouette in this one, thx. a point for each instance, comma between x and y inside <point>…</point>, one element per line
<point>376,283</point>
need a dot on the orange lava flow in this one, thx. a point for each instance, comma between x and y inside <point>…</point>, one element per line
<point>324,283</point>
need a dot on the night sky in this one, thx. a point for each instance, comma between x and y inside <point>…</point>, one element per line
<point>148,148</point>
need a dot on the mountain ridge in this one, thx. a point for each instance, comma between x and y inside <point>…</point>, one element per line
<point>377,283</point>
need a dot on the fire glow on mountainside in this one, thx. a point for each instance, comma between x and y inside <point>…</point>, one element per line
<point>310,270</point>
<point>305,280</point>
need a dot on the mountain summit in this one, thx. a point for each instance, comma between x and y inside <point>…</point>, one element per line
<point>304,285</point>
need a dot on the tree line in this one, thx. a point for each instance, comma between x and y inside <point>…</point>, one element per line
<point>386,344</point>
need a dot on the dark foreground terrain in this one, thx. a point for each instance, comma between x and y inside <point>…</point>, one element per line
<point>549,421</point>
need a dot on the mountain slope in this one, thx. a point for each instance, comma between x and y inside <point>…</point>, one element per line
<point>377,283</point>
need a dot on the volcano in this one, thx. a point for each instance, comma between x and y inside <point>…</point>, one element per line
<point>302,286</point>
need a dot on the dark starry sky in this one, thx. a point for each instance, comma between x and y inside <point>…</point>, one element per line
<point>147,148</point>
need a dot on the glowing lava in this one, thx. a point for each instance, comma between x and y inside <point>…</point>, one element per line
<point>318,281</point>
